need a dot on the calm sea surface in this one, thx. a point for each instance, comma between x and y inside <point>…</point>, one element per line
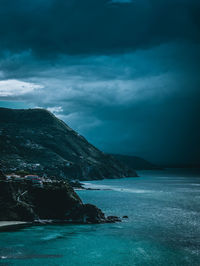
<point>163,226</point>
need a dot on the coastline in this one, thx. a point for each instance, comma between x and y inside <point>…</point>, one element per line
<point>16,225</point>
<point>168,194</point>
<point>13,225</point>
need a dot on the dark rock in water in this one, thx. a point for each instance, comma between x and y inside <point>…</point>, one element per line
<point>22,201</point>
<point>125,217</point>
<point>76,184</point>
<point>113,219</point>
<point>92,188</point>
<point>87,213</point>
<point>35,141</point>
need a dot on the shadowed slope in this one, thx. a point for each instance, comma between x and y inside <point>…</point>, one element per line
<point>36,141</point>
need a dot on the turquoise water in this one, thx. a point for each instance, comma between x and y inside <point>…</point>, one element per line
<point>163,226</point>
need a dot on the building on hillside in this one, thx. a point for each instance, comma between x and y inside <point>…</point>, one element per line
<point>34,179</point>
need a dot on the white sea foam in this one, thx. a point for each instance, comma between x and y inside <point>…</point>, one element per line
<point>131,190</point>
<point>119,189</point>
<point>95,186</point>
<point>51,236</point>
<point>3,257</point>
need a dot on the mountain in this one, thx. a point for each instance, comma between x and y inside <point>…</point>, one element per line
<point>135,162</point>
<point>35,141</point>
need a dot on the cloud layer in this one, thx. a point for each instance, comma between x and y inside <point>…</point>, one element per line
<point>14,88</point>
<point>51,27</point>
<point>122,73</point>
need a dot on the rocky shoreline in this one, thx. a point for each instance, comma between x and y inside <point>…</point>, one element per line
<point>13,225</point>
<point>50,203</point>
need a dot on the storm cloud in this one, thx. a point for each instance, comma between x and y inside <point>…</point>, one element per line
<point>125,74</point>
<point>101,26</point>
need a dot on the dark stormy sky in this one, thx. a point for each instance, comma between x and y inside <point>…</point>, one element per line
<point>125,74</point>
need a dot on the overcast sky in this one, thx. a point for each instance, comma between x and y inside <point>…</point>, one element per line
<point>125,74</point>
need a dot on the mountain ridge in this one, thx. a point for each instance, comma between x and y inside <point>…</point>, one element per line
<point>135,162</point>
<point>37,141</point>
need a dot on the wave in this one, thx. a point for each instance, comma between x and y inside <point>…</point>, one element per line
<point>118,189</point>
<point>52,237</point>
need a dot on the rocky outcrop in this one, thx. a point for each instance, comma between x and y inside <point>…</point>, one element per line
<point>86,213</point>
<point>22,201</point>
<point>35,141</point>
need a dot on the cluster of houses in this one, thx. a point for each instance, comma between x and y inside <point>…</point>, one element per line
<point>33,179</point>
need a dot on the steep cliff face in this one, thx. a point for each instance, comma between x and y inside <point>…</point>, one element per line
<point>21,201</point>
<point>36,141</point>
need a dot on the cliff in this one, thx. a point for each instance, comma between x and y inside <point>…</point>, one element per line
<point>36,141</point>
<point>21,201</point>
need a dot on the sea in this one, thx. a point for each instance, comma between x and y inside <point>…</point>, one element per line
<point>163,226</point>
